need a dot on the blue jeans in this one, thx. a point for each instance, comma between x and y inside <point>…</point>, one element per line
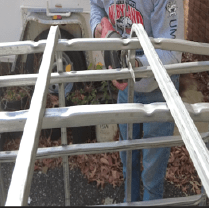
<point>155,159</point>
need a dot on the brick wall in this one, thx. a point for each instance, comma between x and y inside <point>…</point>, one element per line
<point>197,23</point>
<point>197,20</point>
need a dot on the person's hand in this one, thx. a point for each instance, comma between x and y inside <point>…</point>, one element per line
<point>136,63</point>
<point>98,31</point>
<point>118,85</point>
<point>122,86</point>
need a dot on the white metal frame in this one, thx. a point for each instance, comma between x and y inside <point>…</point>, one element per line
<point>38,117</point>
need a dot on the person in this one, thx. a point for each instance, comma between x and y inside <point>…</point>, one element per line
<point>161,19</point>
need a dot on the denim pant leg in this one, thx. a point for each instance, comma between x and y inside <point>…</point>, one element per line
<point>154,160</point>
<point>135,182</point>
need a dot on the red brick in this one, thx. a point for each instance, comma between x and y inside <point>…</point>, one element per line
<point>203,15</point>
<point>206,40</point>
<point>196,26</point>
<point>197,10</point>
<point>196,17</point>
<point>207,33</point>
<point>207,24</point>
<point>202,22</point>
<point>195,38</point>
<point>197,4</point>
<point>206,2</point>
<point>191,3</point>
<point>190,24</point>
<point>201,36</point>
<point>190,37</point>
<point>202,29</point>
<point>204,8</point>
<point>190,18</point>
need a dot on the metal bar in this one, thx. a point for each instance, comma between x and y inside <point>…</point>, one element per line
<point>80,149</point>
<point>86,115</point>
<point>194,144</point>
<point>2,189</point>
<point>173,202</point>
<point>130,99</point>
<point>129,152</point>
<point>21,178</point>
<point>102,75</point>
<point>63,131</point>
<point>91,44</point>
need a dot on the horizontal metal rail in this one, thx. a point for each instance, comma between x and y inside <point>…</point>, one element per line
<point>87,115</point>
<point>193,200</point>
<point>80,149</point>
<point>101,75</point>
<point>92,44</point>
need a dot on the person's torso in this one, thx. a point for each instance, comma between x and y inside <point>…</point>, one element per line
<point>128,13</point>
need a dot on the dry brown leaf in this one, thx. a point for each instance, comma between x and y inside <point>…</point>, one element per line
<point>114,174</point>
<point>105,161</point>
<point>36,167</point>
<point>44,169</point>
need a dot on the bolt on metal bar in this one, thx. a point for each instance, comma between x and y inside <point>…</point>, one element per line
<point>60,69</point>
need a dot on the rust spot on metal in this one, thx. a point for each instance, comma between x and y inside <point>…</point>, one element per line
<point>58,5</point>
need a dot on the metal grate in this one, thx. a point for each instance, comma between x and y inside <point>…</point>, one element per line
<point>181,113</point>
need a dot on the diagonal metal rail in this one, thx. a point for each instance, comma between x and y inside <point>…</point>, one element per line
<point>21,178</point>
<point>192,139</point>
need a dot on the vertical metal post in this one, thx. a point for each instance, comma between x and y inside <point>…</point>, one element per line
<point>2,192</point>
<point>129,132</point>
<point>203,201</point>
<point>63,131</point>
<point>129,153</point>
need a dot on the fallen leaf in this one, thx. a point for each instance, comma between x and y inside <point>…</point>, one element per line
<point>105,161</point>
<point>44,169</point>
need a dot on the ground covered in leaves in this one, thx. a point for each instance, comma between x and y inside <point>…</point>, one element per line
<point>107,167</point>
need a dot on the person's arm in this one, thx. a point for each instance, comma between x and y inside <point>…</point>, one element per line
<point>97,12</point>
<point>167,21</point>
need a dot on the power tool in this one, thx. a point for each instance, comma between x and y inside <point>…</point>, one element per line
<point>113,58</point>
